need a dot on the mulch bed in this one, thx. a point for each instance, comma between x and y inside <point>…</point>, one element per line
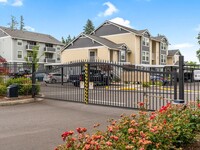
<point>193,146</point>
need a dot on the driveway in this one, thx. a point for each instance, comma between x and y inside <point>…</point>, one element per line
<point>40,125</point>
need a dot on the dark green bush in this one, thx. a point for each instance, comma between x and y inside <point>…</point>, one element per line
<point>24,85</point>
<point>3,90</point>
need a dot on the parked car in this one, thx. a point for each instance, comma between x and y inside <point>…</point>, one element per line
<point>20,73</point>
<point>95,76</point>
<point>39,76</point>
<point>54,78</point>
<point>160,78</point>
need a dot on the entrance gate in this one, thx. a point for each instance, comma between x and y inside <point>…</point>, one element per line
<point>110,84</point>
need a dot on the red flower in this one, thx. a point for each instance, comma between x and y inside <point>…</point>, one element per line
<point>141,104</point>
<point>165,121</point>
<point>87,146</point>
<point>66,134</point>
<point>109,143</point>
<point>199,105</point>
<point>81,130</point>
<point>152,117</point>
<point>114,138</point>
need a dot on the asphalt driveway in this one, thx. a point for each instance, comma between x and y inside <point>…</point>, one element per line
<point>39,125</point>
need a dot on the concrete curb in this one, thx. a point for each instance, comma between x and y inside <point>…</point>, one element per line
<point>23,101</point>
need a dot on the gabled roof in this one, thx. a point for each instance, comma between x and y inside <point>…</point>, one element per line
<point>173,52</point>
<point>100,40</point>
<point>105,42</point>
<point>31,36</point>
<point>159,38</point>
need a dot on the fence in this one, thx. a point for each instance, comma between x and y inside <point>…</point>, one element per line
<point>114,84</point>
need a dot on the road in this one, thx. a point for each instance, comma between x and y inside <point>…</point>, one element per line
<point>119,95</point>
<point>38,126</point>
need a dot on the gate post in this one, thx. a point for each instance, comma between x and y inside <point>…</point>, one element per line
<point>86,83</point>
<point>181,77</point>
<point>181,81</point>
<point>62,75</point>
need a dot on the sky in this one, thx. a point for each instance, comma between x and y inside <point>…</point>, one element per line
<point>178,20</point>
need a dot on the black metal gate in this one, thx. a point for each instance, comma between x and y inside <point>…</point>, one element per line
<point>110,84</point>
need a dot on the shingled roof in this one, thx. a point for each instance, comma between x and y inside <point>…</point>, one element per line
<point>173,52</point>
<point>105,42</point>
<point>32,36</point>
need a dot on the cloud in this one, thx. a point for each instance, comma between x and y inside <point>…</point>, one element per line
<point>121,21</point>
<point>109,11</point>
<point>17,3</point>
<point>3,1</point>
<point>198,28</point>
<point>28,28</point>
<point>181,46</point>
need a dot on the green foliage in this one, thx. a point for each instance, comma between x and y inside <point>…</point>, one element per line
<point>13,24</point>
<point>24,85</point>
<point>22,25</point>
<point>1,80</point>
<point>89,27</point>
<point>3,90</point>
<point>146,84</point>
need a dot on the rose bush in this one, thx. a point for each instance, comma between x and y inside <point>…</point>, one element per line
<point>172,127</point>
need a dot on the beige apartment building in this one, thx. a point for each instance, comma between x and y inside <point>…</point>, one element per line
<point>116,43</point>
<point>173,57</point>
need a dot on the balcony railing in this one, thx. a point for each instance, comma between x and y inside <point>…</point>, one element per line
<point>30,47</point>
<point>49,49</point>
<point>92,58</point>
<point>49,60</point>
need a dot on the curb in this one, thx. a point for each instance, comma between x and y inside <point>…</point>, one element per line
<point>23,101</point>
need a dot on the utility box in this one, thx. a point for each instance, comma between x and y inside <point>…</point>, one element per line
<point>12,90</point>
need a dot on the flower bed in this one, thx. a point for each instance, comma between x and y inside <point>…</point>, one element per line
<point>172,127</point>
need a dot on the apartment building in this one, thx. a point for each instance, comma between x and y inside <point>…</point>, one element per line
<point>117,43</point>
<point>173,57</point>
<point>17,44</point>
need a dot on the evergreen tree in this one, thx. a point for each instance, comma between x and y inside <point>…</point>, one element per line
<point>198,51</point>
<point>13,24</point>
<point>89,27</point>
<point>68,40</point>
<point>22,23</point>
<point>63,40</point>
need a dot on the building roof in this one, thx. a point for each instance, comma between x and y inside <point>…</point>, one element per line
<point>105,42</point>
<point>32,36</point>
<point>173,52</point>
<point>2,60</point>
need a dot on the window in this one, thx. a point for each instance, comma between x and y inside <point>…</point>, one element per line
<point>19,54</point>
<point>145,56</point>
<point>123,55</point>
<point>163,58</point>
<point>145,41</point>
<point>19,43</point>
<point>58,48</point>
<point>163,46</point>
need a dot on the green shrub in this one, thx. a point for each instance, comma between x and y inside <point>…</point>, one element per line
<point>3,90</point>
<point>146,84</point>
<point>24,85</point>
<point>1,80</point>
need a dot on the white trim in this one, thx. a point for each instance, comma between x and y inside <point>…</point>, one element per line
<point>6,37</point>
<point>146,55</point>
<point>144,39</point>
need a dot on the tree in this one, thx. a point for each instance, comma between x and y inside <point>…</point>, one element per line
<point>63,40</point>
<point>68,40</point>
<point>198,51</point>
<point>13,24</point>
<point>22,23</point>
<point>32,57</point>
<point>190,63</point>
<point>89,27</point>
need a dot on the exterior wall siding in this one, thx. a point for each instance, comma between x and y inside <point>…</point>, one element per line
<point>83,53</point>
<point>6,48</point>
<point>83,42</point>
<point>129,39</point>
<point>109,29</point>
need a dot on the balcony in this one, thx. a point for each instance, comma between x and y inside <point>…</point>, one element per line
<point>30,47</point>
<point>49,60</point>
<point>49,49</point>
